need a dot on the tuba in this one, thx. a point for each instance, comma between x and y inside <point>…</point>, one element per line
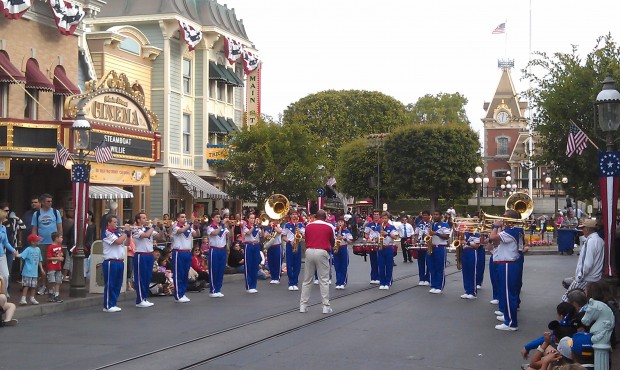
<point>522,203</point>
<point>276,207</point>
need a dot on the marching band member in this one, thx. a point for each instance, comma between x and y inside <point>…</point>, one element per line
<point>143,259</point>
<point>385,255</point>
<point>252,234</point>
<point>293,259</point>
<point>182,236</point>
<point>406,233</point>
<point>341,257</point>
<point>274,251</point>
<point>509,240</point>
<point>371,232</point>
<point>421,231</point>
<point>218,233</point>
<point>440,233</point>
<point>114,242</point>
<point>469,261</point>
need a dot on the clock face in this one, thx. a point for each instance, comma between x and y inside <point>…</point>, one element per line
<point>503,117</point>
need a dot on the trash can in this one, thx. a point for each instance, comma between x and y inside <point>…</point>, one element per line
<point>566,240</point>
<point>96,283</point>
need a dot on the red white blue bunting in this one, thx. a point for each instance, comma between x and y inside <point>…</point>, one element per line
<point>67,15</point>
<point>191,35</point>
<point>250,61</point>
<point>233,48</point>
<point>14,9</point>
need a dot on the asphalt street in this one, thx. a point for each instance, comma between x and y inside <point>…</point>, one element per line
<point>405,327</point>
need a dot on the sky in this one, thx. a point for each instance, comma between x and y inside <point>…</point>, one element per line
<point>407,49</point>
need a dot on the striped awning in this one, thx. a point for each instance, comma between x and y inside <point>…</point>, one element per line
<point>197,186</point>
<point>108,192</point>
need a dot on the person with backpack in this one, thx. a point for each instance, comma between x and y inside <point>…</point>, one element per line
<point>45,221</point>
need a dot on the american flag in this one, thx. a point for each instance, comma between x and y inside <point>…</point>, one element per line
<point>81,184</point>
<point>499,29</point>
<point>577,140</point>
<point>609,186</point>
<point>61,156</point>
<point>103,153</point>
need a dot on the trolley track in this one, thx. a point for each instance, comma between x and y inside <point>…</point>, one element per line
<point>204,349</point>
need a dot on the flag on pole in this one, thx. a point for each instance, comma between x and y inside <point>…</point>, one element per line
<point>320,199</point>
<point>609,184</point>
<point>61,156</point>
<point>577,140</point>
<point>499,29</point>
<point>81,183</point>
<point>103,153</point>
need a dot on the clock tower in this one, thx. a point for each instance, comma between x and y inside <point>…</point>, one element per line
<point>505,136</point>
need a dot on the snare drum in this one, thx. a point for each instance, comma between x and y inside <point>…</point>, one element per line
<point>372,247</point>
<point>359,249</point>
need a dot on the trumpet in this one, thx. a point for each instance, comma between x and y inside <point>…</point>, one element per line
<point>205,218</point>
<point>487,221</point>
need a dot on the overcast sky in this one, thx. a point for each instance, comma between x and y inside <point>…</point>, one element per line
<point>407,48</point>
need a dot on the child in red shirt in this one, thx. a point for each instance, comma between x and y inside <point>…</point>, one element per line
<point>54,268</point>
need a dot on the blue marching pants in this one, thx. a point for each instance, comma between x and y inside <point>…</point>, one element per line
<point>374,267</point>
<point>217,266</point>
<point>113,275</point>
<point>181,262</point>
<point>436,264</point>
<point>422,268</point>
<point>494,277</point>
<point>274,260</point>
<point>293,264</point>
<point>480,264</point>
<point>341,264</point>
<point>509,291</point>
<point>385,262</point>
<point>142,274</point>
<point>252,260</point>
<point>469,263</point>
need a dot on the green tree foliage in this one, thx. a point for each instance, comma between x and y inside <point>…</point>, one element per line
<point>432,161</point>
<point>439,109</point>
<point>270,158</point>
<point>337,117</point>
<point>566,86</point>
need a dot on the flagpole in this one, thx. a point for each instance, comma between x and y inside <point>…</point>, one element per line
<point>584,134</point>
<point>530,180</point>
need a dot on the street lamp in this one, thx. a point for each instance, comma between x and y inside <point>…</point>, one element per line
<point>80,177</point>
<point>377,142</point>
<point>479,180</point>
<point>556,184</point>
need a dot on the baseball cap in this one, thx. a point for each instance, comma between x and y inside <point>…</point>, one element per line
<point>582,344</point>
<point>591,223</point>
<point>564,347</point>
<point>34,238</point>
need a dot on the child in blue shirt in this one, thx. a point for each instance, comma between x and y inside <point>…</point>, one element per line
<point>33,263</point>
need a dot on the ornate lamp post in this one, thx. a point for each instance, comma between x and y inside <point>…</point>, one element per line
<point>80,176</point>
<point>556,184</point>
<point>376,141</point>
<point>480,181</point>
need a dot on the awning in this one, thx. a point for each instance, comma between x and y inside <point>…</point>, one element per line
<point>232,124</point>
<point>62,84</point>
<point>232,77</point>
<point>225,124</point>
<point>35,79</point>
<point>8,72</point>
<point>197,187</point>
<point>215,126</point>
<point>216,73</point>
<point>108,192</point>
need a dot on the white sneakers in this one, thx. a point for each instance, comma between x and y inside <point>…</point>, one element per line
<point>183,299</point>
<point>22,302</point>
<point>505,327</point>
<point>468,296</point>
<point>498,312</point>
<point>494,301</point>
<point>112,309</point>
<point>424,283</point>
<point>303,308</point>
<point>384,287</point>
<point>274,282</point>
<point>295,287</point>
<point>252,291</point>
<point>340,287</point>
<point>215,295</point>
<point>500,318</point>
<point>478,286</point>
<point>291,288</point>
<point>435,291</point>
<point>375,282</point>
<point>316,282</point>
<point>145,304</point>
<point>327,309</point>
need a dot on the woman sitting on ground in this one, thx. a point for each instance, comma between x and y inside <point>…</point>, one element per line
<point>7,307</point>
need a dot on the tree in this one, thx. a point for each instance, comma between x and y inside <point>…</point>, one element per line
<point>432,161</point>
<point>565,89</point>
<point>337,117</point>
<point>439,109</point>
<point>270,158</point>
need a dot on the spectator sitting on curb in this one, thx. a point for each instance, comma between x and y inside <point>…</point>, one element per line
<point>7,307</point>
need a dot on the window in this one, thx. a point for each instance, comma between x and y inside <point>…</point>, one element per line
<point>229,95</point>
<point>31,106</point>
<point>187,77</point>
<point>186,133</point>
<point>502,146</point>
<point>4,99</point>
<point>130,45</point>
<point>59,103</point>
<point>221,91</point>
<point>212,89</point>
